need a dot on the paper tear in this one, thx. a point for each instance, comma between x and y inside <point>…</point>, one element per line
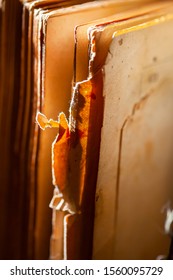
<point>92,48</point>
<point>58,203</point>
<point>44,122</point>
<point>60,148</point>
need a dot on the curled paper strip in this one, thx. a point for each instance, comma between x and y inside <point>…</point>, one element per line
<point>44,122</point>
<point>62,200</point>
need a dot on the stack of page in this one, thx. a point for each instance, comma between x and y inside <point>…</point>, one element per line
<point>87,128</point>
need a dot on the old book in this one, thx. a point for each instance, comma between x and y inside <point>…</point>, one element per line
<point>132,72</point>
<point>98,75</point>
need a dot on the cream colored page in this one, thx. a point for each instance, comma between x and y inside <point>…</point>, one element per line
<point>57,83</point>
<point>135,179</point>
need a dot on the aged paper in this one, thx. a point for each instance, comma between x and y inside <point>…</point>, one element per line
<point>135,179</point>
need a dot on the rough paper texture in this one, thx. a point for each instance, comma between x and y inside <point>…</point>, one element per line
<point>136,156</point>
